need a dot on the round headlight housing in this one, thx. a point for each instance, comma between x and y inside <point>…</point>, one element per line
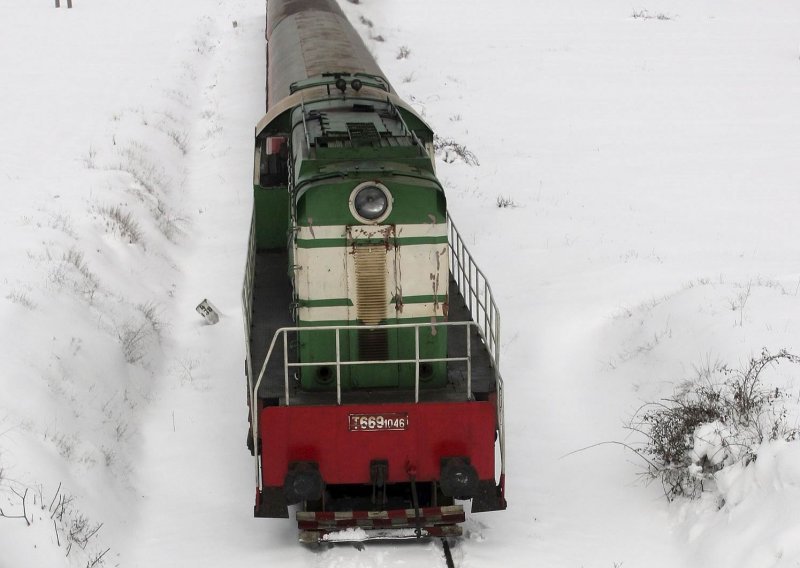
<point>370,202</point>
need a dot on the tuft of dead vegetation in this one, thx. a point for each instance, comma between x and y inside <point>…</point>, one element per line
<point>505,202</point>
<point>719,418</point>
<point>74,532</point>
<point>122,223</point>
<point>645,15</point>
<point>450,151</point>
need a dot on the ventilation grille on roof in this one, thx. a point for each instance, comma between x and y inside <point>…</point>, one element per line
<point>363,132</point>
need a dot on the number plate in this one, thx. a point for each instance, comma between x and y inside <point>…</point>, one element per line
<point>378,422</point>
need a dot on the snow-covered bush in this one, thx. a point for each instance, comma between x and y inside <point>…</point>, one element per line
<point>718,419</point>
<point>449,150</point>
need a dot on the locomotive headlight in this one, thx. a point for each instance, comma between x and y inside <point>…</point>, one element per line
<point>370,202</point>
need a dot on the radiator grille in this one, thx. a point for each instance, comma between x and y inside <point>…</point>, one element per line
<point>371,299</point>
<point>373,345</point>
<point>363,132</point>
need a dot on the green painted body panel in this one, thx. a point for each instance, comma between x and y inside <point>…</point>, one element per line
<point>414,202</point>
<point>320,345</point>
<point>324,303</point>
<point>272,216</point>
<point>331,243</point>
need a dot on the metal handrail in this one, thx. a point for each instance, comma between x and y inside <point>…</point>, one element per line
<point>338,363</point>
<point>477,293</point>
<point>471,282</point>
<point>414,137</point>
<point>305,126</point>
<point>247,304</point>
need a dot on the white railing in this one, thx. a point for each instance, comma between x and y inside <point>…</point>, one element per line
<point>338,363</point>
<point>477,293</point>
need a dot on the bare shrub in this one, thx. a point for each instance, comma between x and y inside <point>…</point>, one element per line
<point>450,151</point>
<point>136,162</point>
<point>150,311</point>
<point>178,96</point>
<point>72,269</point>
<point>23,498</point>
<point>645,15</point>
<point>90,159</point>
<point>403,52</point>
<point>21,298</point>
<point>109,456</point>
<point>170,125</point>
<point>133,340</point>
<point>63,223</point>
<point>504,202</point>
<point>740,302</point>
<point>170,225</point>
<point>180,138</point>
<point>74,528</point>
<point>719,418</point>
<point>140,333</point>
<point>122,223</point>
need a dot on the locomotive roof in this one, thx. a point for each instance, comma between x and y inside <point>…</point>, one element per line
<point>277,119</point>
<point>309,42</point>
<point>307,38</point>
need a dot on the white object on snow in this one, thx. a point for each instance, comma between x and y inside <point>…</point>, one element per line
<point>208,311</point>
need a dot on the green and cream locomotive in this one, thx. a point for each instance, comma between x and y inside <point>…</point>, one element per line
<point>353,312</point>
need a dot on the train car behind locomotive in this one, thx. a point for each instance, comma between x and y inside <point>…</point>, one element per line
<point>372,338</point>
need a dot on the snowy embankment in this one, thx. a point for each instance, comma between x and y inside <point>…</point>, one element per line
<point>635,210</point>
<point>634,207</point>
<point>125,172</point>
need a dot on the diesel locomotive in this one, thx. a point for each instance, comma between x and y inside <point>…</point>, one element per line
<point>375,398</point>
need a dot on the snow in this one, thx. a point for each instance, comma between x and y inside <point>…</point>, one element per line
<point>754,521</point>
<point>650,175</point>
<point>354,533</point>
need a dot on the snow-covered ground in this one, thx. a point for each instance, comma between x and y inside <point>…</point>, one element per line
<point>647,156</point>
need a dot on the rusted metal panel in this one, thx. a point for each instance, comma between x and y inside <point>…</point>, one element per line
<point>278,10</point>
<point>372,296</point>
<point>308,38</point>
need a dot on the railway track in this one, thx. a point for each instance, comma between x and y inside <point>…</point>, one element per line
<point>448,556</point>
<point>336,554</point>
